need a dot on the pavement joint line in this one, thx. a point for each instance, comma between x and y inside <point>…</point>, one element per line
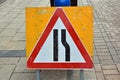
<point>14,68</point>
<point>10,11</point>
<point>117,68</point>
<point>5,2</point>
<point>12,72</point>
<point>24,72</point>
<point>19,60</point>
<point>17,30</point>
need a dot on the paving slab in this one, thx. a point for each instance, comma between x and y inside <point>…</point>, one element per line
<point>3,24</point>
<point>101,47</point>
<point>97,67</point>
<point>102,50</point>
<point>116,58</point>
<point>1,1</point>
<point>2,48</point>
<point>106,62</point>
<point>112,77</point>
<point>104,54</point>
<point>13,26</point>
<point>54,75</point>
<point>89,75</point>
<point>15,45</point>
<point>8,32</point>
<point>118,66</point>
<point>105,57</point>
<point>1,30</point>
<point>100,76</point>
<point>110,72</point>
<point>22,67</point>
<point>9,61</point>
<point>4,40</point>
<point>23,76</point>
<point>50,75</point>
<point>7,19</point>
<point>22,29</point>
<point>109,67</point>
<point>6,71</point>
<point>96,60</point>
<point>19,37</point>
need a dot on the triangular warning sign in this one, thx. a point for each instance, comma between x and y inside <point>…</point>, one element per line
<point>38,57</point>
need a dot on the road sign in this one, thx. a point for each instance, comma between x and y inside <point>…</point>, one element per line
<point>59,46</point>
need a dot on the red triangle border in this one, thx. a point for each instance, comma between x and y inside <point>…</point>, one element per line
<point>59,13</point>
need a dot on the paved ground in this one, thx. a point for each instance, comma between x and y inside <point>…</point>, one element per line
<point>1,1</point>
<point>106,40</point>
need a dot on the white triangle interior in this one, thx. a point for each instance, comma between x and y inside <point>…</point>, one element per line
<point>46,52</point>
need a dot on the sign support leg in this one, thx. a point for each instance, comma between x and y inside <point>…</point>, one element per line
<point>69,74</point>
<point>81,74</point>
<point>38,75</point>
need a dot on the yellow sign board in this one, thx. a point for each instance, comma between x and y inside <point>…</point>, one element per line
<point>81,19</point>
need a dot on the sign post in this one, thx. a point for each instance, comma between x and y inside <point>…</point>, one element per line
<point>60,44</point>
<point>81,74</point>
<point>59,38</point>
<point>38,75</point>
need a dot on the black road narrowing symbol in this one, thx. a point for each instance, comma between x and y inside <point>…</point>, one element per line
<point>55,44</point>
<point>64,42</point>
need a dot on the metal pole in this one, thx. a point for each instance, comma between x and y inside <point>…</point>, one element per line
<point>81,74</point>
<point>38,75</point>
<point>74,2</point>
<point>69,74</point>
<point>51,3</point>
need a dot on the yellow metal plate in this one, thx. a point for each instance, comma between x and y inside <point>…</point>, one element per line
<point>80,17</point>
